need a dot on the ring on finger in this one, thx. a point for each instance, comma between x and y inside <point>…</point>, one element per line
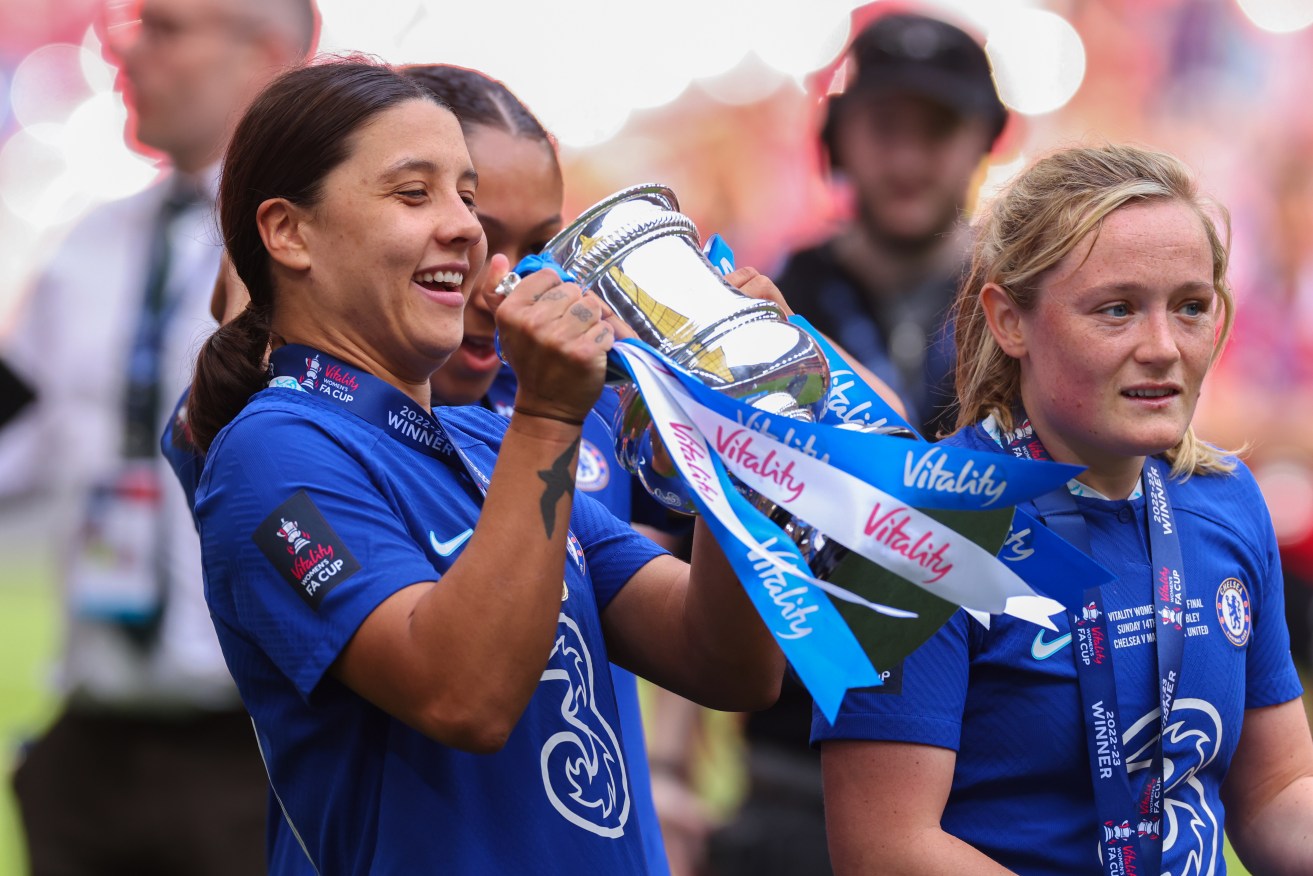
<point>507,284</point>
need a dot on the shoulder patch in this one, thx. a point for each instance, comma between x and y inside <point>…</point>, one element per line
<point>1233,611</point>
<point>593,473</point>
<point>575,551</point>
<point>304,549</point>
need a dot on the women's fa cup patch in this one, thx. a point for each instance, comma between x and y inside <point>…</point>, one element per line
<point>1233,611</point>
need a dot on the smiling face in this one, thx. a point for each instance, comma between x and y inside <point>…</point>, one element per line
<point>1122,334</point>
<point>392,249</point>
<point>520,195</point>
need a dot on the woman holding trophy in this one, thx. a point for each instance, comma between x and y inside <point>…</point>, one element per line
<point>1167,708</point>
<point>386,579</point>
<point>521,192</point>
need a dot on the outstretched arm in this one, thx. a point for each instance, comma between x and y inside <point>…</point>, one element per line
<point>1269,791</point>
<point>883,804</point>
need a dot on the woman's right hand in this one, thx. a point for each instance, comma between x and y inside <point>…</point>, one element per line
<point>555,337</point>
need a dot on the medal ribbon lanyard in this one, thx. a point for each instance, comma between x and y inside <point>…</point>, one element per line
<point>142,396</point>
<point>375,401</point>
<point>142,420</point>
<point>1130,824</point>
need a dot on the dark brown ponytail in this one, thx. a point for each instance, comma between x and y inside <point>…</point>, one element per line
<point>229,370</point>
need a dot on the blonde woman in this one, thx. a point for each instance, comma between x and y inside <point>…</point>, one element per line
<point>1096,303</point>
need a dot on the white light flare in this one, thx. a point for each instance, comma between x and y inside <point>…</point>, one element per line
<point>1038,59</point>
<point>1278,16</point>
<point>48,84</point>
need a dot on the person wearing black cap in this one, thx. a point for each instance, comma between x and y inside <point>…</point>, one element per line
<point>908,133</point>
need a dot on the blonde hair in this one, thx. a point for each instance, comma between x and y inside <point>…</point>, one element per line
<point>1031,226</point>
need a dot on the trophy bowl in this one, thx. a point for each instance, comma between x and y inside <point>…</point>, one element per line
<point>640,255</point>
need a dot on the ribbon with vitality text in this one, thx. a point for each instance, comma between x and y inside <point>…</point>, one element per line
<point>860,490</point>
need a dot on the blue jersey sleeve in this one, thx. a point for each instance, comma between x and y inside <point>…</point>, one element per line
<point>1270,675</point>
<point>300,545</point>
<point>921,701</point>
<point>182,455</point>
<point>614,550</point>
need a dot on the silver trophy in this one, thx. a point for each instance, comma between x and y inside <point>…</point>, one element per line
<point>640,255</point>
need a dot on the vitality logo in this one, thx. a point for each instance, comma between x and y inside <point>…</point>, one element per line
<point>304,549</point>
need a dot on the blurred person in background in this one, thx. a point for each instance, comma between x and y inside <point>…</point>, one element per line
<point>151,766</point>
<point>909,135</point>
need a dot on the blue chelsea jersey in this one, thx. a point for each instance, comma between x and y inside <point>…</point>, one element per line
<point>1006,698</point>
<point>310,518</point>
<point>601,476</point>
<point>600,473</point>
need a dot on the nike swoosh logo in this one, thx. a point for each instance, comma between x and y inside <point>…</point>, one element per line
<point>448,547</point>
<point>1042,650</point>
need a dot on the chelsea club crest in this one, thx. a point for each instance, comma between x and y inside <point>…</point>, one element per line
<point>593,473</point>
<point>1233,611</point>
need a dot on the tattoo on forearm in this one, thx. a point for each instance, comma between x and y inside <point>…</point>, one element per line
<point>559,483</point>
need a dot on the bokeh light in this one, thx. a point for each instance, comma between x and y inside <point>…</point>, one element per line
<point>1038,58</point>
<point>48,84</point>
<point>705,40</point>
<point>347,26</point>
<point>30,164</point>
<point>750,81</point>
<point>4,99</point>
<point>600,66</point>
<point>99,73</point>
<point>98,162</point>
<point>69,153</point>
<point>998,174</point>
<point>1278,16</point>
<point>798,38</point>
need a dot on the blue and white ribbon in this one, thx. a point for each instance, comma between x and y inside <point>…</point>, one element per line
<point>861,489</point>
<point>850,400</point>
<point>1030,549</point>
<point>840,496</point>
<point>818,644</point>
